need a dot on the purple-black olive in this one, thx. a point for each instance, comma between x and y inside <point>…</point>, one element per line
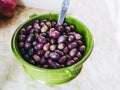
<point>71,38</point>
<point>21,37</point>
<point>40,52</point>
<point>70,62</point>
<point>62,59</point>
<point>54,56</point>
<point>30,38</point>
<point>73,52</point>
<point>21,44</point>
<point>23,31</point>
<point>47,54</point>
<point>55,34</point>
<point>36,58</point>
<point>42,39</point>
<point>66,50</point>
<point>62,39</point>
<point>31,51</point>
<point>27,46</point>
<point>59,52</point>
<point>82,48</point>
<point>61,46</point>
<point>36,26</point>
<point>38,46</point>
<point>72,45</point>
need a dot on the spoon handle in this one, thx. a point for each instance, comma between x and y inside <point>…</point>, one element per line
<point>63,11</point>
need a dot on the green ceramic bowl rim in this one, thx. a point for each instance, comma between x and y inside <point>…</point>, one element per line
<point>15,52</point>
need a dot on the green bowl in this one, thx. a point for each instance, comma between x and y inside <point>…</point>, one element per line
<point>54,76</point>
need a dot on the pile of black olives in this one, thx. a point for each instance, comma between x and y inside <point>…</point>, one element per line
<point>48,45</point>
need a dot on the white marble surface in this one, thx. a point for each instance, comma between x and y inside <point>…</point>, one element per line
<point>100,72</point>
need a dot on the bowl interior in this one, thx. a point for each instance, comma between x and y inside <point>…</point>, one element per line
<point>80,28</point>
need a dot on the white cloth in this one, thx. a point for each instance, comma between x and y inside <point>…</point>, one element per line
<point>114,9</point>
<point>102,69</point>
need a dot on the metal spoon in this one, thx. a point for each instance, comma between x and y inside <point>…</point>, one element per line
<point>64,8</point>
